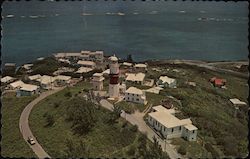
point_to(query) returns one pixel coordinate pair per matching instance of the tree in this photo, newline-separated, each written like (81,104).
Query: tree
(50,120)
(182,150)
(129,58)
(76,150)
(114,115)
(81,113)
(141,148)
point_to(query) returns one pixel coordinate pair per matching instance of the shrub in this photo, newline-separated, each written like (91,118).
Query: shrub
(210,148)
(68,94)
(56,104)
(182,150)
(131,150)
(133,128)
(50,120)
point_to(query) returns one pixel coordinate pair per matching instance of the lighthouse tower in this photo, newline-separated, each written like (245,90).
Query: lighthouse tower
(114,77)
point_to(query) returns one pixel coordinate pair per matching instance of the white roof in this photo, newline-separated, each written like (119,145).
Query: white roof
(141,65)
(190,127)
(236,101)
(106,71)
(97,74)
(6,79)
(160,108)
(63,60)
(135,76)
(17,84)
(166,117)
(134,90)
(27,66)
(34,77)
(113,58)
(61,77)
(127,64)
(87,63)
(166,79)
(84,70)
(61,55)
(45,79)
(29,87)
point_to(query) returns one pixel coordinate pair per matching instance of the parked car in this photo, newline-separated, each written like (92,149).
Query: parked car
(31,140)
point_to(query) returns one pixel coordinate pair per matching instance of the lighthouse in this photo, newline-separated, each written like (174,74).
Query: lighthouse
(114,77)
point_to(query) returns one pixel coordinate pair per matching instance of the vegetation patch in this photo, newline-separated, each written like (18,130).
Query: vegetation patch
(12,142)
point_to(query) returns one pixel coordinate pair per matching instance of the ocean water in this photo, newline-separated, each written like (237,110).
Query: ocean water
(148,30)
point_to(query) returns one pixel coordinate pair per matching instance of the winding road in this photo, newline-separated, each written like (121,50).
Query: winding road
(24,123)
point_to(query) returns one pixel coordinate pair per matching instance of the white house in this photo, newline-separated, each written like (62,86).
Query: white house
(140,67)
(16,85)
(62,80)
(27,90)
(164,121)
(7,79)
(97,81)
(127,64)
(135,77)
(96,56)
(46,82)
(136,95)
(89,64)
(165,81)
(84,70)
(34,77)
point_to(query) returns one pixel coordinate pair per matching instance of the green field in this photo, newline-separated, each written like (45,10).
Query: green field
(103,139)
(12,142)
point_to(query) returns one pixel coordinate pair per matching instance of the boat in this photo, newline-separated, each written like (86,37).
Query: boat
(33,16)
(9,16)
(135,13)
(211,18)
(153,12)
(86,14)
(22,16)
(182,11)
(108,13)
(56,15)
(202,11)
(119,13)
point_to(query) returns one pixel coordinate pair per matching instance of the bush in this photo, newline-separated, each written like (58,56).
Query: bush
(210,148)
(131,150)
(50,120)
(182,150)
(68,94)
(133,128)
(56,104)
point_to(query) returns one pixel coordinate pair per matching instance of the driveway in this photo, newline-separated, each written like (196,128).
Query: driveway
(24,124)
(137,119)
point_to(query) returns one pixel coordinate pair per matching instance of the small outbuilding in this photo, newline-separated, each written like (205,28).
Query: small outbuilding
(97,81)
(16,85)
(165,81)
(135,77)
(89,64)
(218,82)
(7,79)
(133,94)
(27,90)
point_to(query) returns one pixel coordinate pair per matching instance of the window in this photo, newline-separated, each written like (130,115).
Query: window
(180,128)
(193,131)
(137,99)
(172,129)
(137,95)
(164,129)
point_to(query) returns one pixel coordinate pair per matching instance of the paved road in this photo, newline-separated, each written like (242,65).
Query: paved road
(137,119)
(211,66)
(24,124)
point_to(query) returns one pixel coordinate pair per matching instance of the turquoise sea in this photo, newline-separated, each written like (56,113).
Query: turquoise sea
(147,30)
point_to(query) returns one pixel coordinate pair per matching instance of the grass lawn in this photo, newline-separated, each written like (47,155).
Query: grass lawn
(130,107)
(102,141)
(12,142)
(194,148)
